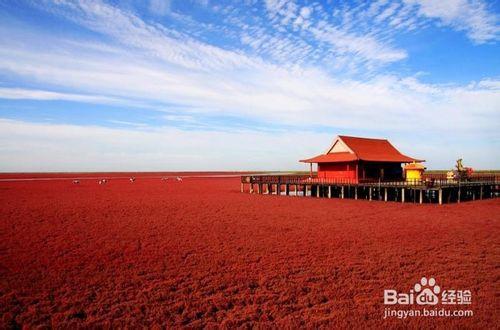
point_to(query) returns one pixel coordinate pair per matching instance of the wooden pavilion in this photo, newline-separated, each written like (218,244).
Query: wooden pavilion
(355,159)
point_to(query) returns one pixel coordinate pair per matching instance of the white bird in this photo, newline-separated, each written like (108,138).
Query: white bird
(76,181)
(132,179)
(178,178)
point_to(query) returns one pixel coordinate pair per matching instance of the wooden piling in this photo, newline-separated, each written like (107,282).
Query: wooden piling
(370,193)
(440,196)
(318,191)
(402,195)
(356,192)
(421,197)
(385,194)
(329,191)
(342,192)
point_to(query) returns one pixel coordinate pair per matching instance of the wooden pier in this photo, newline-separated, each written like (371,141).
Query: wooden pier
(427,190)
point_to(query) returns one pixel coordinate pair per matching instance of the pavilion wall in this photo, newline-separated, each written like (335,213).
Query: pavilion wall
(344,170)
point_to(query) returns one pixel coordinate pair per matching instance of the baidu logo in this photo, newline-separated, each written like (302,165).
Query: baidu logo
(424,296)
(427,292)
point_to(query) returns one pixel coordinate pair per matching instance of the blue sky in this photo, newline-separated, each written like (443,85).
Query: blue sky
(235,85)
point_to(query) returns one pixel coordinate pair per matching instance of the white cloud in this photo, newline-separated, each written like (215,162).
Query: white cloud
(89,148)
(470,16)
(284,10)
(271,94)
(34,94)
(362,49)
(154,40)
(159,7)
(387,12)
(240,85)
(305,12)
(375,7)
(366,47)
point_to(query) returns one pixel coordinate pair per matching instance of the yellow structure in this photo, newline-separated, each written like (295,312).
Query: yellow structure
(414,171)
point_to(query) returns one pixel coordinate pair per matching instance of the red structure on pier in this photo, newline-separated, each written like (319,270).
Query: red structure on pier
(354,159)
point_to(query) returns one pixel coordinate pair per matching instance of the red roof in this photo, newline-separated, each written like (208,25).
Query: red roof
(375,150)
(332,158)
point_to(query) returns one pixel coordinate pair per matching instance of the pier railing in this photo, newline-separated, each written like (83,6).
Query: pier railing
(427,181)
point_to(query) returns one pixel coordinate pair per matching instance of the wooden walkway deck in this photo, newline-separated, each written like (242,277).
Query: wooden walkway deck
(428,190)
